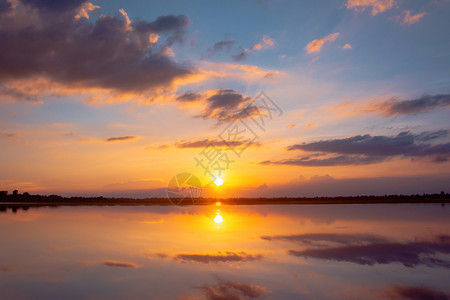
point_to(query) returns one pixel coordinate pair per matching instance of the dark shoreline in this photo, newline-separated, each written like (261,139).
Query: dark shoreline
(23,200)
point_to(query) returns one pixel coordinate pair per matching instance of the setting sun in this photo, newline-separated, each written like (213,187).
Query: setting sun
(218,181)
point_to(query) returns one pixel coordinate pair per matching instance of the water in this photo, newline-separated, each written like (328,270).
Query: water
(256,252)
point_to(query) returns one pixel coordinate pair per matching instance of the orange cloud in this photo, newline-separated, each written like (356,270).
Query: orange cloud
(266,42)
(314,60)
(347,46)
(256,47)
(84,10)
(407,19)
(377,6)
(316,45)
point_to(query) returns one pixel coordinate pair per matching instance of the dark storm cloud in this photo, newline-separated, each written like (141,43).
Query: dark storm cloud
(321,239)
(367,149)
(216,143)
(218,47)
(414,293)
(410,254)
(120,138)
(414,106)
(227,256)
(232,290)
(119,264)
(46,39)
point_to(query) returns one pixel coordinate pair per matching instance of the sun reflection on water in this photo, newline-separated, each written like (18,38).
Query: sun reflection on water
(218,219)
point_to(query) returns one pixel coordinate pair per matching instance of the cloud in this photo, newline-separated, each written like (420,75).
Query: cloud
(189,97)
(223,102)
(119,264)
(219,257)
(407,19)
(5,6)
(395,106)
(347,47)
(218,47)
(377,6)
(413,293)
(316,45)
(217,143)
(14,94)
(232,290)
(341,160)
(7,134)
(410,254)
(223,105)
(110,53)
(84,10)
(120,138)
(414,106)
(247,73)
(265,43)
(403,143)
(367,149)
(137,184)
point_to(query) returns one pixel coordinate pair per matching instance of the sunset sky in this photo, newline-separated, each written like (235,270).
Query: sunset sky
(115,98)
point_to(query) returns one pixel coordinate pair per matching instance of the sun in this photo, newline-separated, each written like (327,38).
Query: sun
(218,219)
(218,181)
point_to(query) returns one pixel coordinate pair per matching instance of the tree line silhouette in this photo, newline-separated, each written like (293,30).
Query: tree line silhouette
(17,201)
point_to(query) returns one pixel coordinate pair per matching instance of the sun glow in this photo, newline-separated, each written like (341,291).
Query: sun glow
(218,219)
(218,181)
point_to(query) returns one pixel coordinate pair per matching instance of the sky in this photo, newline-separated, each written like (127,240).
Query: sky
(274,97)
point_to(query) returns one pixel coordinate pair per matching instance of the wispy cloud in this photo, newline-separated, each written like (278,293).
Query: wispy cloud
(217,143)
(265,43)
(218,47)
(414,106)
(316,45)
(121,138)
(395,106)
(377,6)
(406,18)
(119,264)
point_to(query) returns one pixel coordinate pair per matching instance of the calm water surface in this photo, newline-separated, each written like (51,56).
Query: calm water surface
(256,252)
